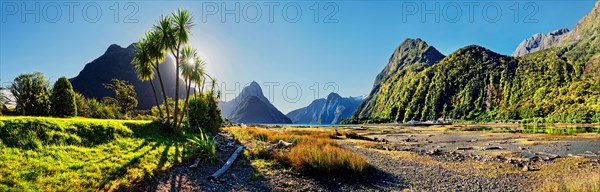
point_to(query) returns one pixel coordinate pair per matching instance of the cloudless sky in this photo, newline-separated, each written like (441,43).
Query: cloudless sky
(341,48)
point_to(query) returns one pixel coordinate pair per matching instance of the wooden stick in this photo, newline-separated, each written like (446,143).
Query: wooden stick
(196,163)
(227,164)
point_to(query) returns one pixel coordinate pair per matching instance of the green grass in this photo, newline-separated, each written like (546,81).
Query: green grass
(78,154)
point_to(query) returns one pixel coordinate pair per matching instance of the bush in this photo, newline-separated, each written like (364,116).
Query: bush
(204,145)
(91,108)
(63,99)
(204,112)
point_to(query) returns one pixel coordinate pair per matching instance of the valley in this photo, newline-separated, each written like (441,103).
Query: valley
(151,116)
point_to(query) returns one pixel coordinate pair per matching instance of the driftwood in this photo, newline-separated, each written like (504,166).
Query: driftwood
(284,144)
(196,163)
(227,164)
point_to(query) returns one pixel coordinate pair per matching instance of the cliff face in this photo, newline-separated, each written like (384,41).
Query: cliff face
(562,37)
(541,41)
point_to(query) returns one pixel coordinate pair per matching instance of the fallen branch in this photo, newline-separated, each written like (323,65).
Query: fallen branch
(227,164)
(196,163)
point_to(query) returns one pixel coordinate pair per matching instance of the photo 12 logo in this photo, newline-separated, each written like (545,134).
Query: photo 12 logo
(454,12)
(70,11)
(290,92)
(272,11)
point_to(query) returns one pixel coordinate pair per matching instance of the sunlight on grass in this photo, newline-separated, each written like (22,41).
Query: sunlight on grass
(106,165)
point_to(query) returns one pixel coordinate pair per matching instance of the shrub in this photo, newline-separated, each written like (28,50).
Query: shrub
(63,99)
(204,145)
(204,112)
(91,108)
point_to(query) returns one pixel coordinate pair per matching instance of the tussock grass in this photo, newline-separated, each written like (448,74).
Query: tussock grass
(77,154)
(327,159)
(314,152)
(588,182)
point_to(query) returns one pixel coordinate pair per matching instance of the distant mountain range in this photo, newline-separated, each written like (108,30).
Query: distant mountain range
(555,78)
(330,110)
(115,63)
(252,107)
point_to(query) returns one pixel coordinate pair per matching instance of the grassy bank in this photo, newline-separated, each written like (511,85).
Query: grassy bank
(313,152)
(41,154)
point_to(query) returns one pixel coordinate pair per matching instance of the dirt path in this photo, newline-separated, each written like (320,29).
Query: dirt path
(414,175)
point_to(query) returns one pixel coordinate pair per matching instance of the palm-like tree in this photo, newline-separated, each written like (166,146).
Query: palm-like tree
(192,71)
(182,25)
(170,35)
(156,53)
(175,31)
(144,69)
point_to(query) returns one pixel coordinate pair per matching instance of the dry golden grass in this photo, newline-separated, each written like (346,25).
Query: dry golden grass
(313,152)
(581,182)
(328,159)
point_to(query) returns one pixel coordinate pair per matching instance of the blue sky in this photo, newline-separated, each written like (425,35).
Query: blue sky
(341,47)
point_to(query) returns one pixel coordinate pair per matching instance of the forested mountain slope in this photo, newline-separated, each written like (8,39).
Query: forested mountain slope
(557,84)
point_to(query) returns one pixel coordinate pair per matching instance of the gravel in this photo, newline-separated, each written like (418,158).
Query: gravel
(424,177)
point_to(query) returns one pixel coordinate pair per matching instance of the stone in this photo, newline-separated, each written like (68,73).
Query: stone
(493,148)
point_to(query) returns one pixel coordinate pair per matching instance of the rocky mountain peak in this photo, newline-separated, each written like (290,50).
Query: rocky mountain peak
(113,48)
(541,41)
(558,32)
(332,96)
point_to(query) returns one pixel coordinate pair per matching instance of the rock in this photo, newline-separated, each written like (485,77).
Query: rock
(473,140)
(464,148)
(284,144)
(434,152)
(493,148)
(540,42)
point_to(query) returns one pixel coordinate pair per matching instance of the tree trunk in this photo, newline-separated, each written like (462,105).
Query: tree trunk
(156,99)
(164,93)
(185,105)
(176,111)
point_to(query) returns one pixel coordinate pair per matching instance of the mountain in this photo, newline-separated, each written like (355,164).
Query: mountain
(331,110)
(252,107)
(561,37)
(115,63)
(560,83)
(411,57)
(541,41)
(253,89)
(309,114)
